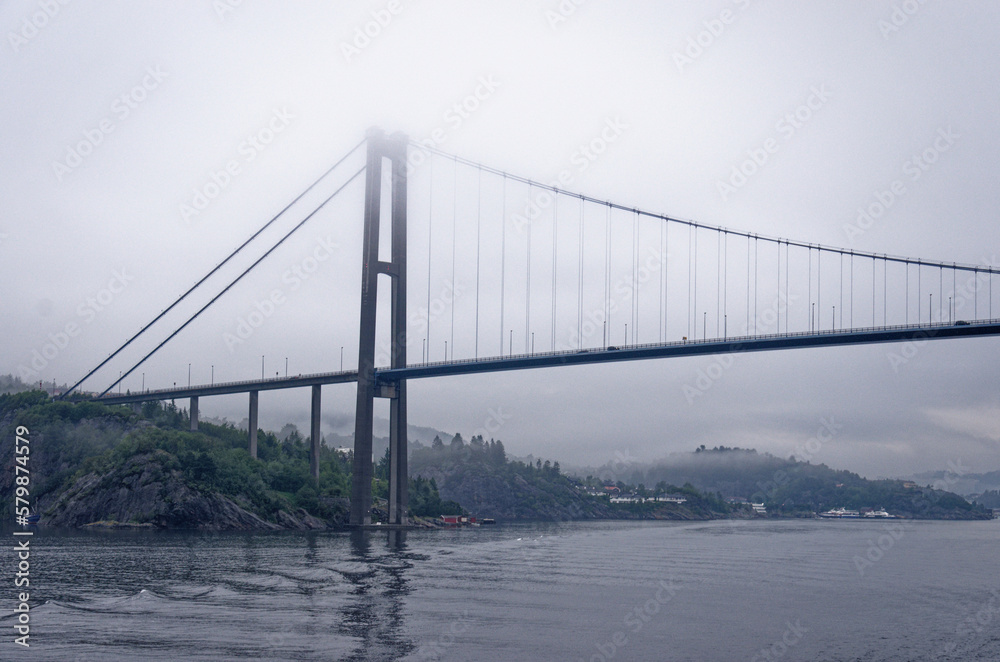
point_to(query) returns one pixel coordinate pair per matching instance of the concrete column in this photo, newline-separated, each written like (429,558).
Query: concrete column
(398,472)
(379,148)
(252,425)
(361,482)
(315,433)
(194,413)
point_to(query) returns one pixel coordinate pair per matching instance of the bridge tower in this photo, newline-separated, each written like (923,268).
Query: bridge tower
(381,149)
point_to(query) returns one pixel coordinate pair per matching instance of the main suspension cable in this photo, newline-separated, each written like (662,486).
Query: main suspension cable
(236,280)
(214,270)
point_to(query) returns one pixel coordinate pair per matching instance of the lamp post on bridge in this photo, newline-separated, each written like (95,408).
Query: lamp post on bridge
(262,367)
(213,374)
(286,367)
(143,383)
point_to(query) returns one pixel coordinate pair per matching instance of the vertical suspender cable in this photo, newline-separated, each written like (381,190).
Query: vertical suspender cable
(756,315)
(819,287)
(718,282)
(607,275)
(787,302)
(479,216)
(665,265)
(503,256)
(662,274)
(690,258)
(885,290)
(430,225)
(873,291)
(579,297)
(747,329)
(725,285)
(810,249)
(635,278)
(454,240)
(777,287)
(841,287)
(975,293)
(527,284)
(555,236)
(694,301)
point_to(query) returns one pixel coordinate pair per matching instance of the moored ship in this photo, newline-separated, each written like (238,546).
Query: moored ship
(841,513)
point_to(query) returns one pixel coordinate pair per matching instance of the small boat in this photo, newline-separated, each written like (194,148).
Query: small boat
(488,520)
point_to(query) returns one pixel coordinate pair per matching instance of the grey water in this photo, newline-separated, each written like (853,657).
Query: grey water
(595,591)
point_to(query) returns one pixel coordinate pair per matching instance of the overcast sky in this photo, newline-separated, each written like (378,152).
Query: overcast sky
(118,117)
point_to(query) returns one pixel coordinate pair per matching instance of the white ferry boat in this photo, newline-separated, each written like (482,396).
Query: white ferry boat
(879,514)
(841,513)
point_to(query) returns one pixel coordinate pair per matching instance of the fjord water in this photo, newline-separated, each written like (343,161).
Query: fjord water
(720,590)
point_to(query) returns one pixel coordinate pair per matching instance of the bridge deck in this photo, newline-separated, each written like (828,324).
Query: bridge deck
(830,338)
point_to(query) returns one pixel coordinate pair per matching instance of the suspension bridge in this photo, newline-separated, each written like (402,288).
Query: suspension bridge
(516,273)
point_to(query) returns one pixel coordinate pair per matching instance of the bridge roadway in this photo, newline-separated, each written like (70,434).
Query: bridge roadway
(829,338)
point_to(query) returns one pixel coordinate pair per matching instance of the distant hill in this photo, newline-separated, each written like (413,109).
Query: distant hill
(13,384)
(479,475)
(989,499)
(790,487)
(90,462)
(959,479)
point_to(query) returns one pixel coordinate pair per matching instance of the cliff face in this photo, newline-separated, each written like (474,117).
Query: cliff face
(143,490)
(91,464)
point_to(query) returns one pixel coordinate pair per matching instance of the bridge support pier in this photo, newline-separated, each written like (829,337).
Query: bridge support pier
(252,424)
(194,413)
(393,149)
(314,433)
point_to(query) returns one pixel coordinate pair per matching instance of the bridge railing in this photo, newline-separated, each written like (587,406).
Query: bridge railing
(730,340)
(734,340)
(244,382)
